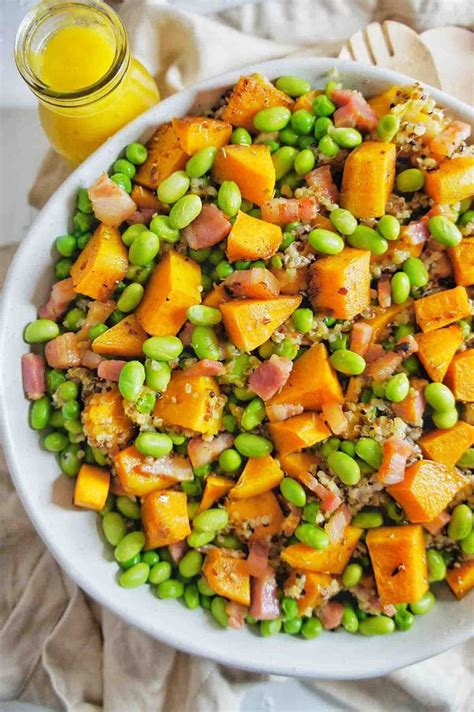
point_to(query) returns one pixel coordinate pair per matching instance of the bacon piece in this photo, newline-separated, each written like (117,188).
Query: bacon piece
(32,373)
(361,337)
(209,228)
(255,283)
(264,601)
(61,294)
(270,376)
(416,232)
(63,352)
(411,408)
(202,452)
(322,185)
(331,615)
(283,411)
(109,369)
(384,292)
(174,466)
(141,217)
(97,313)
(445,143)
(353,110)
(236,614)
(395,455)
(384,366)
(436,525)
(336,525)
(374,352)
(291,520)
(177,550)
(206,367)
(91,360)
(282,211)
(334,417)
(187,333)
(257,560)
(110,203)
(330,501)
(406,346)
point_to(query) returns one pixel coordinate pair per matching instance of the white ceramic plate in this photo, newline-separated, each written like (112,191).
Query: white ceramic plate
(72,536)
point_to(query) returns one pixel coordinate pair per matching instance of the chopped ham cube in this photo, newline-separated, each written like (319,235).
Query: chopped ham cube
(209,228)
(33,373)
(202,452)
(396,452)
(384,366)
(111,204)
(206,367)
(270,376)
(62,293)
(331,615)
(63,351)
(361,337)
(90,360)
(264,601)
(258,558)
(110,369)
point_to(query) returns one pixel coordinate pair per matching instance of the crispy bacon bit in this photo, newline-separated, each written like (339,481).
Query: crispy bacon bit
(206,367)
(384,292)
(141,217)
(283,411)
(270,376)
(336,525)
(63,351)
(322,185)
(257,560)
(202,452)
(255,283)
(334,417)
(436,525)
(395,455)
(110,369)
(62,293)
(331,615)
(406,346)
(449,140)
(385,366)
(329,500)
(110,203)
(91,360)
(411,408)
(33,372)
(354,111)
(236,614)
(209,228)
(361,337)
(174,466)
(177,550)
(264,601)
(282,211)
(291,520)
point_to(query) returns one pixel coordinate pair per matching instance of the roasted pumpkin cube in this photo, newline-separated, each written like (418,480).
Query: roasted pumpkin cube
(125,339)
(315,591)
(427,489)
(139,474)
(436,350)
(249,96)
(191,402)
(216,297)
(382,103)
(384,317)
(251,167)
(332,560)
(460,376)
(216,487)
(298,463)
(462,259)
(340,284)
(227,576)
(251,322)
(196,132)
(292,282)
(368,178)
(165,518)
(305,101)
(259,516)
(461,578)
(105,422)
(453,180)
(144,198)
(447,446)
(442,308)
(174,285)
(399,561)
(296,433)
(260,474)
(252,239)
(92,487)
(165,156)
(101,265)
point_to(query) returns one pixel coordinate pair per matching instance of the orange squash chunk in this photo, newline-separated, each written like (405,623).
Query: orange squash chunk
(382,103)
(251,167)
(249,96)
(259,516)
(196,132)
(191,402)
(447,446)
(312,382)
(106,425)
(305,101)
(442,308)
(462,260)
(298,463)
(340,284)
(144,198)
(216,297)
(165,156)
(460,376)
(332,560)
(227,576)
(399,561)
(252,239)
(173,287)
(296,433)
(216,487)
(461,579)
(260,474)
(315,587)
(368,178)
(427,489)
(453,180)
(292,282)
(124,339)
(140,475)
(437,348)
(165,518)
(101,265)
(92,487)
(251,322)
(384,317)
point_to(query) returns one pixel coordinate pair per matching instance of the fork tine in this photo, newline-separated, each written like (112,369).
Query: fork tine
(345,53)
(359,49)
(377,43)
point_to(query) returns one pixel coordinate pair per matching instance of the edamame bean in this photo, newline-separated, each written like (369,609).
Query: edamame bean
(197,538)
(129,546)
(56,419)
(293,492)
(184,211)
(241,136)
(132,232)
(154,444)
(69,460)
(304,162)
(66,245)
(348,447)
(131,380)
(397,388)
(160,572)
(344,467)
(350,622)
(400,287)
(288,137)
(228,541)
(191,596)
(204,588)
(368,518)
(461,522)
(163,348)
(271,627)
(170,589)
(329,446)
(40,413)
(114,527)
(444,231)
(144,248)
(467,543)
(328,146)
(283,160)
(130,562)
(191,564)
(311,511)
(352,574)
(157,374)
(387,127)
(311,628)
(370,451)
(205,343)
(253,414)
(40,331)
(302,121)
(55,442)
(135,576)
(71,410)
(346,137)
(389,227)
(230,460)
(229,198)
(347,362)
(211,520)
(325,241)
(251,445)
(130,297)
(293,626)
(223,269)
(312,535)
(376,625)
(172,188)
(129,507)
(436,566)
(416,271)
(323,106)
(439,397)
(466,461)
(161,226)
(199,164)
(466,218)
(303,320)
(343,221)
(293,86)
(74,319)
(365,238)
(272,119)
(424,605)
(219,611)
(403,620)
(201,315)
(445,419)
(321,126)
(150,557)
(410,180)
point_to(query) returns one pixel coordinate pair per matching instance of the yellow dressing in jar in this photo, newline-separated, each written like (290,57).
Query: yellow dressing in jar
(76,59)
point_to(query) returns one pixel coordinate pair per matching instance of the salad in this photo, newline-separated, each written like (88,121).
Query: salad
(257,361)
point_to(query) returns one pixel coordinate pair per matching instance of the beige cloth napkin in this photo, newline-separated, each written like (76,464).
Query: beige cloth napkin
(59,648)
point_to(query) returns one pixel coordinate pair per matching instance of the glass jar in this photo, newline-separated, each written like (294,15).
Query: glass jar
(74,56)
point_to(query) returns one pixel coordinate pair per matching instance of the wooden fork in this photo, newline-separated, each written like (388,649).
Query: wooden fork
(392,46)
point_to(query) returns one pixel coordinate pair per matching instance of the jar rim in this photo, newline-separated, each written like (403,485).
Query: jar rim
(31,23)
